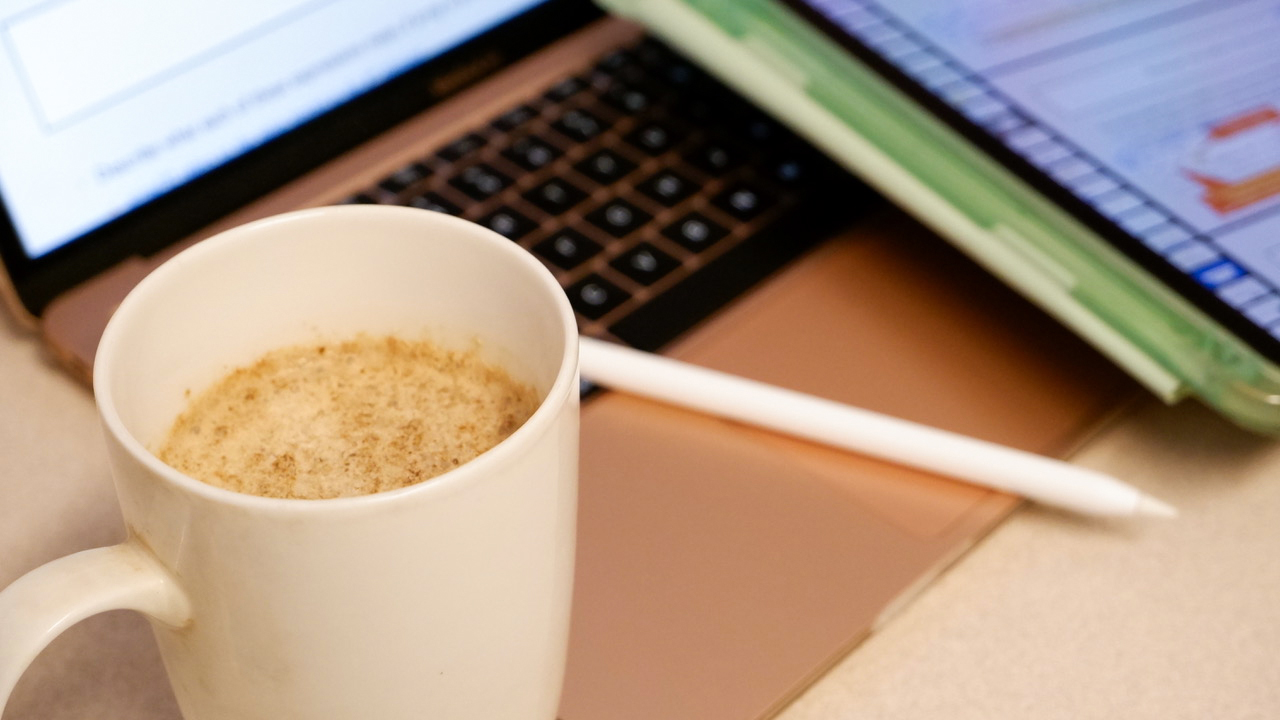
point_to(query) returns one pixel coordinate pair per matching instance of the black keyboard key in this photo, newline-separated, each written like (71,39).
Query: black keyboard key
(462,147)
(360,199)
(614,61)
(622,66)
(800,165)
(567,249)
(436,202)
(579,125)
(401,179)
(508,223)
(665,64)
(654,138)
(703,110)
(531,152)
(605,167)
(565,89)
(789,172)
(654,54)
(514,118)
(680,75)
(627,98)
(645,264)
(760,130)
(480,182)
(792,163)
(743,202)
(593,296)
(695,232)
(618,217)
(555,196)
(667,187)
(714,158)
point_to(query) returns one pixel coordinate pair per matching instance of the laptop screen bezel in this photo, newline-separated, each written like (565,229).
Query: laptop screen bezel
(177,214)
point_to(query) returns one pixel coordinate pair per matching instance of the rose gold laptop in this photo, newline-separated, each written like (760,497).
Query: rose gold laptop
(721,569)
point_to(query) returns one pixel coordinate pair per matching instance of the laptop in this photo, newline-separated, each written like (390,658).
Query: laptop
(721,568)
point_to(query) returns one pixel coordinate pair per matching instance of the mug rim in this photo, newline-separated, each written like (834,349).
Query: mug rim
(566,379)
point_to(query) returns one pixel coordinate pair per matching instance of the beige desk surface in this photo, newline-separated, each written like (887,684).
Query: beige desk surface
(1052,616)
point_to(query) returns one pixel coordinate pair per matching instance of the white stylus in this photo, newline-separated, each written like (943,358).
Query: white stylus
(1035,477)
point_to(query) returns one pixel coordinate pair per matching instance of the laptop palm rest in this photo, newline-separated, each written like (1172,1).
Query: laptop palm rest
(722,568)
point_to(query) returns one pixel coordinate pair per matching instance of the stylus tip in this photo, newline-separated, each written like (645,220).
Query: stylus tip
(1148,505)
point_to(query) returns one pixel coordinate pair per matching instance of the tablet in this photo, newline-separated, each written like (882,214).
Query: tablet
(1117,163)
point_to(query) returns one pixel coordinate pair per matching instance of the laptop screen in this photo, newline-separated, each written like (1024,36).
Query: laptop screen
(109,105)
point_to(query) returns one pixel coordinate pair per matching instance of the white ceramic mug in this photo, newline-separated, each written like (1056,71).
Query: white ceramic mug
(447,599)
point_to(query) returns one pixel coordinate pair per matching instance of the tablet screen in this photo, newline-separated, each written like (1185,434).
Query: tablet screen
(1161,116)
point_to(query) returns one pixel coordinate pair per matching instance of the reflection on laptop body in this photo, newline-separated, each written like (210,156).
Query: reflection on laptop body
(720,569)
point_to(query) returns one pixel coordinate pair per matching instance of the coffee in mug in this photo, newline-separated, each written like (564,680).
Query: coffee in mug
(337,419)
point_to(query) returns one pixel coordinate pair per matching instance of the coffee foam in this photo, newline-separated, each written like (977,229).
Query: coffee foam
(357,417)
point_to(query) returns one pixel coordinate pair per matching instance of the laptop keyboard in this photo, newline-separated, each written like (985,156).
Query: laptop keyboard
(652,192)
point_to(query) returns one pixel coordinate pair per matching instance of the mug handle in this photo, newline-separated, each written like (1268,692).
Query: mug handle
(38,606)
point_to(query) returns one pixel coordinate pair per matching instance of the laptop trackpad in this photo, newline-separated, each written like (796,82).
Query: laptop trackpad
(722,568)
(716,573)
